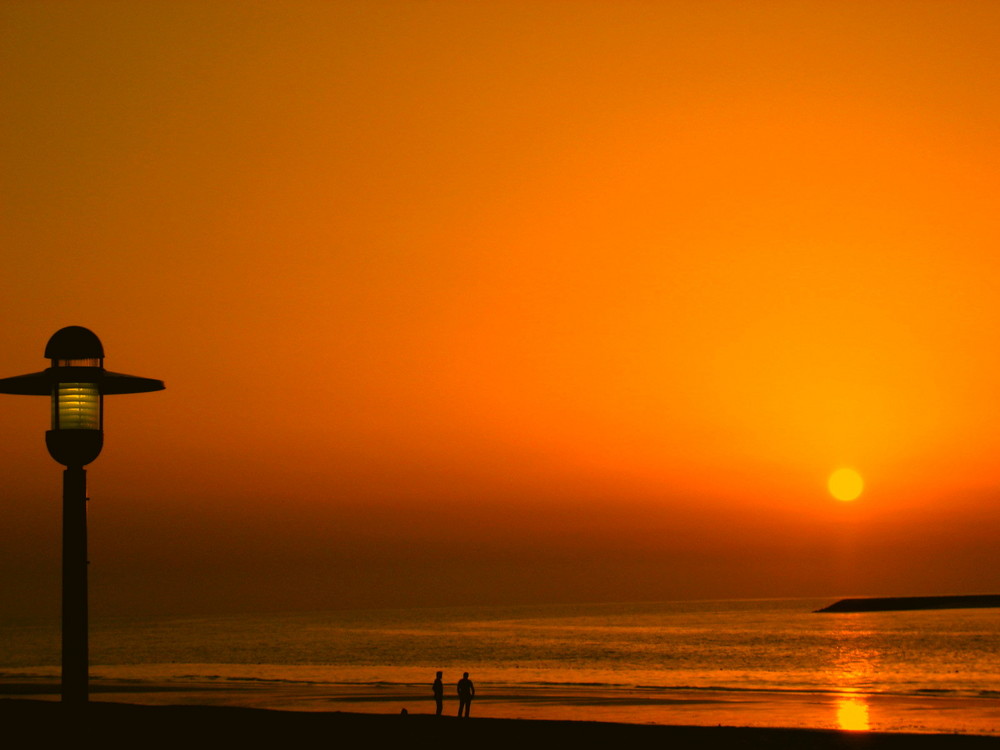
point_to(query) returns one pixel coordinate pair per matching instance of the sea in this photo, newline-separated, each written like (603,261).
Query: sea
(774,663)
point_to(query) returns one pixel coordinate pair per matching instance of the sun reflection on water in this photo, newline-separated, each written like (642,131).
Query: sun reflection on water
(853,672)
(852,713)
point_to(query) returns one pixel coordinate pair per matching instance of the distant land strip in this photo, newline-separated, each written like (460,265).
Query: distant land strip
(901,603)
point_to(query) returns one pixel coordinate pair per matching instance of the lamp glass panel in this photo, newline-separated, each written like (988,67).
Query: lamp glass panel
(77,406)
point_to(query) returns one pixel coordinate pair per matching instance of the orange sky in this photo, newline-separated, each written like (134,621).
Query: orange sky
(507,301)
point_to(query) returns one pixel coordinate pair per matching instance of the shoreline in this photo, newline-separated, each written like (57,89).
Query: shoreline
(126,725)
(846,711)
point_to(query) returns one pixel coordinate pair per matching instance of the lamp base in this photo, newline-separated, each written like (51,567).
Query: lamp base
(74,447)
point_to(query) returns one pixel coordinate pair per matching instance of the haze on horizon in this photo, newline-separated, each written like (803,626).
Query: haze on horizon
(506,302)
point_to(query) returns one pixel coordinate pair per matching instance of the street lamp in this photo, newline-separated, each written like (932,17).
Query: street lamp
(77,383)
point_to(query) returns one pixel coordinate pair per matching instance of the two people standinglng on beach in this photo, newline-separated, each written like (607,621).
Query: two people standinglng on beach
(466,692)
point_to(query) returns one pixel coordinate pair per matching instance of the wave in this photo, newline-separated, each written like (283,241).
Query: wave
(498,685)
(556,688)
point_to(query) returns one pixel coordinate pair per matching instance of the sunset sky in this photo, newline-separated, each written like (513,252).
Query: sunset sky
(506,302)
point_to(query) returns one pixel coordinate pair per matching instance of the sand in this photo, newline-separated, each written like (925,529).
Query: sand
(114,725)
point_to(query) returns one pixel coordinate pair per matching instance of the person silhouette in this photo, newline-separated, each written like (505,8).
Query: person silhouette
(466,692)
(438,689)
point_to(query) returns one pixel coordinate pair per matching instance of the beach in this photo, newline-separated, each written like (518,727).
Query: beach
(547,707)
(127,725)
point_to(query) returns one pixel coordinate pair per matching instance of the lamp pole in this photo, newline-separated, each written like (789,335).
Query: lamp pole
(77,383)
(75,615)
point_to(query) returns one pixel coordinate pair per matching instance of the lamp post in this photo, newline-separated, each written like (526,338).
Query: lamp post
(77,383)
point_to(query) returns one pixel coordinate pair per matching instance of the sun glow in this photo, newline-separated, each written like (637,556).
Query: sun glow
(845,484)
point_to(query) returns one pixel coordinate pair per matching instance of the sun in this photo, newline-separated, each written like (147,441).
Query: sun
(845,484)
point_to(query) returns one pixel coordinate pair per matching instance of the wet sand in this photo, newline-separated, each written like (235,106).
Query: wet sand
(115,725)
(882,714)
